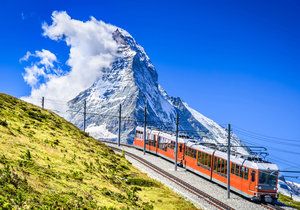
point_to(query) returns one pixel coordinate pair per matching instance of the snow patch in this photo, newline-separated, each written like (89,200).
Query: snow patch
(100,132)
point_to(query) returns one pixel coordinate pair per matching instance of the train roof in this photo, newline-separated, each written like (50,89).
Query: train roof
(247,161)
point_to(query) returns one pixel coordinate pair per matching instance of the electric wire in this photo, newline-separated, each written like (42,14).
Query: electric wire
(265,136)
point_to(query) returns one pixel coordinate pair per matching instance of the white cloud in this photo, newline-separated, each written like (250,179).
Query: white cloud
(47,58)
(32,74)
(40,69)
(92,48)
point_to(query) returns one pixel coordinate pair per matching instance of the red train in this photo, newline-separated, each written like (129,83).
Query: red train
(251,177)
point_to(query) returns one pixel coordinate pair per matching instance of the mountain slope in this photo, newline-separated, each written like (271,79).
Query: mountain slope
(47,162)
(132,81)
(288,188)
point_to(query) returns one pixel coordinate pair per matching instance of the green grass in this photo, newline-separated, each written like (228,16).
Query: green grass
(288,201)
(48,163)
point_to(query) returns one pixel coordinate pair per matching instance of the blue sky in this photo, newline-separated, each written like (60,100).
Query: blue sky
(234,61)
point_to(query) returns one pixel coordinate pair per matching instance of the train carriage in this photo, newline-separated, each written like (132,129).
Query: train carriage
(250,176)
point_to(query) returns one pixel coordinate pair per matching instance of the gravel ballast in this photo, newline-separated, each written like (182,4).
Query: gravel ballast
(218,192)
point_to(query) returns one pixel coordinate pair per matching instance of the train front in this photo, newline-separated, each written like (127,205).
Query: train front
(267,182)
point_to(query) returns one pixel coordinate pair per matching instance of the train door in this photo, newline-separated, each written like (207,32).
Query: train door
(183,155)
(180,153)
(252,184)
(156,143)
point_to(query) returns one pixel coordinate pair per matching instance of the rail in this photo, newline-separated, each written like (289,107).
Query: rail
(209,199)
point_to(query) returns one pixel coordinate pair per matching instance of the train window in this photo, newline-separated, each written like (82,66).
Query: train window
(191,152)
(222,166)
(171,145)
(162,146)
(154,140)
(267,177)
(165,147)
(237,170)
(139,134)
(154,143)
(219,165)
(180,147)
(199,158)
(246,173)
(208,160)
(188,151)
(241,172)
(215,164)
(232,168)
(204,159)
(253,176)
(225,167)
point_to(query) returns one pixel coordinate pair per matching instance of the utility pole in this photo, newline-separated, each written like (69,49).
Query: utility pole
(119,136)
(228,161)
(176,143)
(43,102)
(145,125)
(84,115)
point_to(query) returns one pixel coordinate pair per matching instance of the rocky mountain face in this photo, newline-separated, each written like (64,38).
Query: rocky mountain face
(132,81)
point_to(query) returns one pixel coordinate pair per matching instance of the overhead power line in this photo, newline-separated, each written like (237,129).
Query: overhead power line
(265,136)
(268,140)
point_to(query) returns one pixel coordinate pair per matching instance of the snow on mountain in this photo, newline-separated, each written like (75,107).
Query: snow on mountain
(100,131)
(132,81)
(288,188)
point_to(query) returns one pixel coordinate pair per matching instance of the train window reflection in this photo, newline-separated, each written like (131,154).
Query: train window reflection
(267,178)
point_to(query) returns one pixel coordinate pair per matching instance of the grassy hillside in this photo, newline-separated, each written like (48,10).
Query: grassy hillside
(289,201)
(46,162)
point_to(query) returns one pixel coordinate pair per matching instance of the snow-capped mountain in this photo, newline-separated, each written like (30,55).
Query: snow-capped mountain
(132,81)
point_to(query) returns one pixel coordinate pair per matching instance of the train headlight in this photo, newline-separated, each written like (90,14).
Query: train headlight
(275,188)
(259,187)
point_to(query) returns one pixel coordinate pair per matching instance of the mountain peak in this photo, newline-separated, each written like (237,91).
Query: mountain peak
(119,37)
(132,81)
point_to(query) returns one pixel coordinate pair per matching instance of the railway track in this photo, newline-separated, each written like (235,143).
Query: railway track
(209,199)
(271,207)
